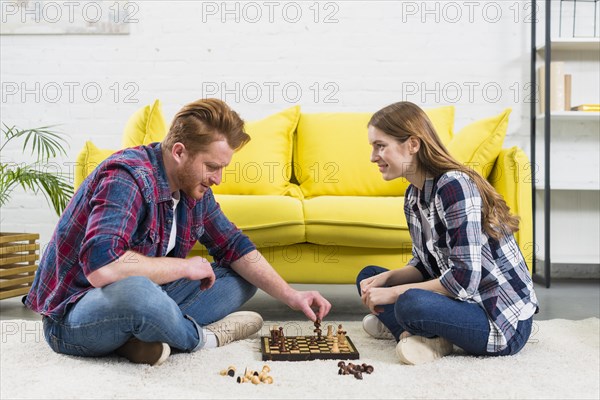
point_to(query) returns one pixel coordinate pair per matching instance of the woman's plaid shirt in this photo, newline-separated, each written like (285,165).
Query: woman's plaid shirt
(449,243)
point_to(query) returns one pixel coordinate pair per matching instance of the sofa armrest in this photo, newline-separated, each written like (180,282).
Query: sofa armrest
(511,177)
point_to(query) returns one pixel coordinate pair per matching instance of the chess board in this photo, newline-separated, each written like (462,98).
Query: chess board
(307,351)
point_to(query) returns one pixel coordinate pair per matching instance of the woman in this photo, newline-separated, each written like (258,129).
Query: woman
(467,283)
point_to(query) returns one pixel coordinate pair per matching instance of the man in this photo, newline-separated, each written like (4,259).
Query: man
(115,277)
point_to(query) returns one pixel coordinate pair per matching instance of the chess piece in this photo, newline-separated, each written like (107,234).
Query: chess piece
(282,346)
(355,370)
(329,331)
(295,345)
(341,334)
(351,368)
(343,368)
(317,329)
(264,374)
(274,336)
(318,332)
(230,371)
(334,347)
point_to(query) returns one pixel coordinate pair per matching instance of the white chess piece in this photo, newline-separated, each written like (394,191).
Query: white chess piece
(335,348)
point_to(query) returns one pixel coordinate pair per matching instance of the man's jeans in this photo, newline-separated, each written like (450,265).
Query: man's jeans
(429,314)
(104,319)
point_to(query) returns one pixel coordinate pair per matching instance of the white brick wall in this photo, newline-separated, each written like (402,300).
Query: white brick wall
(371,54)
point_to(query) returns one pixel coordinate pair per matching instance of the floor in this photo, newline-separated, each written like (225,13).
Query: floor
(566,299)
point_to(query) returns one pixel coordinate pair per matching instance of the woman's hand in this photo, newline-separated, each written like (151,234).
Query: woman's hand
(375,297)
(374,281)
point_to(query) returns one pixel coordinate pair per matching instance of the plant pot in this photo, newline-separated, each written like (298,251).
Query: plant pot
(19,253)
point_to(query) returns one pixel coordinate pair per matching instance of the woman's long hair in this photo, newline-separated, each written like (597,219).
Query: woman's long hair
(404,120)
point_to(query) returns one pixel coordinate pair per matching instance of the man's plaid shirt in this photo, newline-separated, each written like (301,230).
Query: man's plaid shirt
(125,204)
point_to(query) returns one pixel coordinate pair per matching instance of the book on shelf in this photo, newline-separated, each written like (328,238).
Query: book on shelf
(568,92)
(587,107)
(560,84)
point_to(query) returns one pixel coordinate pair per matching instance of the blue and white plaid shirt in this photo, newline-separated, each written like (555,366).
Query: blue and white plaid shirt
(449,243)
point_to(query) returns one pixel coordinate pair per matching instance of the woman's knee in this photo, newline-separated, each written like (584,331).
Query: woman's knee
(367,272)
(410,304)
(519,339)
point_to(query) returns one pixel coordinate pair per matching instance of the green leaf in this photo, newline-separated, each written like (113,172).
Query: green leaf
(45,143)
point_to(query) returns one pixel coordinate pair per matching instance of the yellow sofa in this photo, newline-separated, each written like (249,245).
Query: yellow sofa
(306,193)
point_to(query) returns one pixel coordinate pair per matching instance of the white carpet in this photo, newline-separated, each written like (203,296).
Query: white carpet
(561,361)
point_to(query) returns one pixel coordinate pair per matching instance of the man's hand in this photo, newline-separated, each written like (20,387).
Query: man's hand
(375,297)
(307,301)
(199,269)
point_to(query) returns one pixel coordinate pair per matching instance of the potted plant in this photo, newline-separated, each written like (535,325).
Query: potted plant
(19,251)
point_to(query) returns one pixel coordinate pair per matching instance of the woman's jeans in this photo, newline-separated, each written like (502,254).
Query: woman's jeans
(105,318)
(429,314)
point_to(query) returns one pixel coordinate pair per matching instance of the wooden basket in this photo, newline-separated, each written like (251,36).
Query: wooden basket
(19,253)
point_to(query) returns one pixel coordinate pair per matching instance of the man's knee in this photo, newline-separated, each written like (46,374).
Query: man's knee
(251,290)
(133,292)
(134,283)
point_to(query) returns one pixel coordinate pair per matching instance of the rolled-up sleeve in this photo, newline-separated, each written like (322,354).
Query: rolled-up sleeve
(459,203)
(416,262)
(115,212)
(224,241)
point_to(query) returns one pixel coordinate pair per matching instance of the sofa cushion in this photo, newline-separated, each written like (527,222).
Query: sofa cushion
(479,143)
(377,222)
(512,166)
(264,165)
(332,154)
(145,126)
(267,220)
(442,119)
(87,160)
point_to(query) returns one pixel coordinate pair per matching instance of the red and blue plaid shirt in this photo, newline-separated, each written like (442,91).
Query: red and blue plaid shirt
(125,204)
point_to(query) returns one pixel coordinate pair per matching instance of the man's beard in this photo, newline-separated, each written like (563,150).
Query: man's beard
(188,183)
